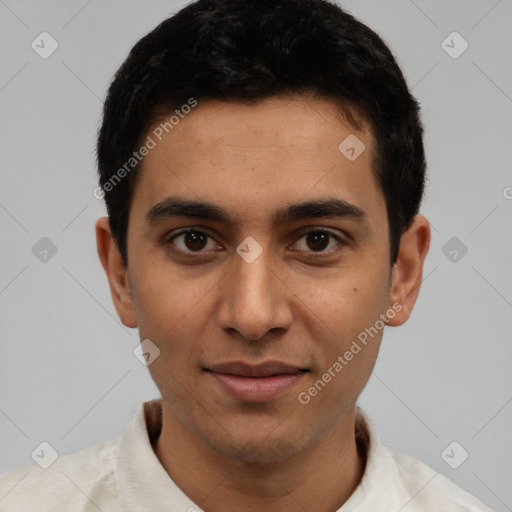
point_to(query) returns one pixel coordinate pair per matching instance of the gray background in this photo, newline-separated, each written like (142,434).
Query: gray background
(67,372)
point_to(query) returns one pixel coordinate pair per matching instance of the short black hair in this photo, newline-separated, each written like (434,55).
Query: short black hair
(247,51)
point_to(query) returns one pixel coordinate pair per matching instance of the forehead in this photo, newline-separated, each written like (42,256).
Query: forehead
(252,158)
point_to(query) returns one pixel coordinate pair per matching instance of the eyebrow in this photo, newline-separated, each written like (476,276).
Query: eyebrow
(179,207)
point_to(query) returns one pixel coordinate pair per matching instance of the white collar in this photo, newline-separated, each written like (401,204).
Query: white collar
(145,485)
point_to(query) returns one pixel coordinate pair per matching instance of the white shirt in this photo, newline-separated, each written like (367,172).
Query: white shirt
(124,475)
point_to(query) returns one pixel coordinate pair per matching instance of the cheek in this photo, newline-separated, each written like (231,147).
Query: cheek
(169,307)
(341,319)
(340,308)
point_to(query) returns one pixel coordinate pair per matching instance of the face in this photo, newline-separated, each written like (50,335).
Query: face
(250,309)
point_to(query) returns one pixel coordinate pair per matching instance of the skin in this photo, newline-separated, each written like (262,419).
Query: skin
(290,304)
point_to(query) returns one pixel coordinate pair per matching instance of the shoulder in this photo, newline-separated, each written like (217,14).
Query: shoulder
(397,481)
(83,480)
(430,490)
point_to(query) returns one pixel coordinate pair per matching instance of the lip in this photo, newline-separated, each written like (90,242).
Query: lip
(255,383)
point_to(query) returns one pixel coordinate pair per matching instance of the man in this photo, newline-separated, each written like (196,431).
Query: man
(263,168)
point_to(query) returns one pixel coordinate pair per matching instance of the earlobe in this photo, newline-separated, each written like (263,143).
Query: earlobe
(407,273)
(117,273)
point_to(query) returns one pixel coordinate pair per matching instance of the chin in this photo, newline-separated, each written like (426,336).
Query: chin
(257,452)
(260,447)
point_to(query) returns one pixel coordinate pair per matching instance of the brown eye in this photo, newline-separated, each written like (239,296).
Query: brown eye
(192,240)
(317,240)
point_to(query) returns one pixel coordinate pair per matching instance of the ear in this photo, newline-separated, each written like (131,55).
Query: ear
(407,272)
(116,271)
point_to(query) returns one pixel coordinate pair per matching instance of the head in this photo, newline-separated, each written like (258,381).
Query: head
(285,134)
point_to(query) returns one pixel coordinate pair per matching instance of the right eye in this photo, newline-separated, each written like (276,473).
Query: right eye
(193,241)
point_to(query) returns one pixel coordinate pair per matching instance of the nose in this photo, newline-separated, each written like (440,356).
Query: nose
(255,298)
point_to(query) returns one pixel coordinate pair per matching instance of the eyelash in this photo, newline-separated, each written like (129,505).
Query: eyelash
(192,254)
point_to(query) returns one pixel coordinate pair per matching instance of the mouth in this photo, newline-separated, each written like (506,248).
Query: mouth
(256,383)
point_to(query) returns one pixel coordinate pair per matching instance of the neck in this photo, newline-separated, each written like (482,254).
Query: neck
(322,477)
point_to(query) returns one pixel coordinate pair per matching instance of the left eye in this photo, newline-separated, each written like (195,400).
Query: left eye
(194,240)
(318,239)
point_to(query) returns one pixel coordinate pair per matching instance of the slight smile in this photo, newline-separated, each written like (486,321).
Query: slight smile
(255,383)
